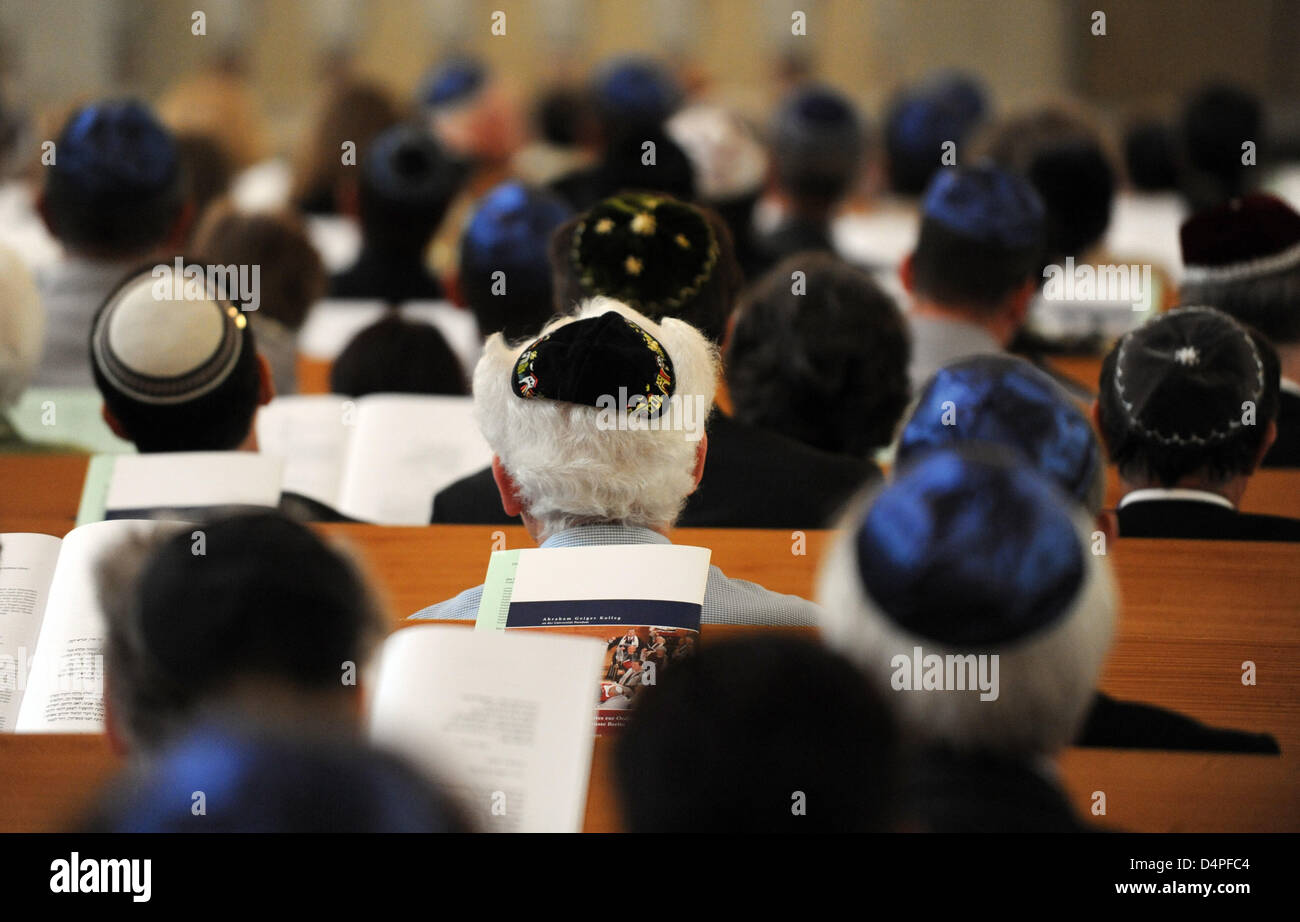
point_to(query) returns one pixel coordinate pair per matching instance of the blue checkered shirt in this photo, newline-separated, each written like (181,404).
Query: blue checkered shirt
(726,600)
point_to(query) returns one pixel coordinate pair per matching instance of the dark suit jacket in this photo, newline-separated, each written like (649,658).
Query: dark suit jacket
(1131,725)
(1177,518)
(752,479)
(1286,450)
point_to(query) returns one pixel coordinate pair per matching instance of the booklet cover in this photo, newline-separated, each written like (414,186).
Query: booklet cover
(642,601)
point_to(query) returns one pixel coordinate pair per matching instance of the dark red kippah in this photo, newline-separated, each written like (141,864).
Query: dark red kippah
(593,358)
(1255,234)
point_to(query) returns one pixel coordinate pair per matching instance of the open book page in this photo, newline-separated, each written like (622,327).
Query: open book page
(26,567)
(310,433)
(65,684)
(180,484)
(404,449)
(503,719)
(642,602)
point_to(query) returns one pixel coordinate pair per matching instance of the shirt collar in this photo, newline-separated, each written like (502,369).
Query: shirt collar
(1175,493)
(585,535)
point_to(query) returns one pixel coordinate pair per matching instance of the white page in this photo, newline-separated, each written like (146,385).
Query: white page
(404,449)
(65,686)
(310,433)
(193,479)
(665,572)
(26,567)
(331,324)
(504,718)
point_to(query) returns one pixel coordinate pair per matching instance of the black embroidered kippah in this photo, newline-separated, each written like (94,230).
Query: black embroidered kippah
(647,250)
(588,361)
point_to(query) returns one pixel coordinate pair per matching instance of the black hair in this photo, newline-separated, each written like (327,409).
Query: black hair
(216,421)
(566,116)
(817,144)
(266,600)
(119,218)
(395,355)
(1151,156)
(827,366)
(390,220)
(1172,396)
(1218,118)
(955,268)
(672,172)
(768,734)
(261,780)
(707,311)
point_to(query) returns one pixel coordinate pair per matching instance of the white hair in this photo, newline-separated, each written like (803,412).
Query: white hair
(1047,681)
(568,468)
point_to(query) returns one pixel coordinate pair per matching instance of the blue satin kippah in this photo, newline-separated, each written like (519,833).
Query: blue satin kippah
(637,89)
(453,83)
(1005,401)
(986,203)
(512,227)
(405,164)
(112,144)
(944,109)
(970,548)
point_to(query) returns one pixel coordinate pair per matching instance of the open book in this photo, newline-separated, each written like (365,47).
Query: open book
(503,720)
(177,485)
(641,601)
(379,458)
(52,629)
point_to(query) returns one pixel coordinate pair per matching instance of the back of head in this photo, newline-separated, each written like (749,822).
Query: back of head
(599,419)
(662,168)
(115,187)
(817,139)
(921,120)
(1215,122)
(407,183)
(291,276)
(267,611)
(205,168)
(510,233)
(397,356)
(749,731)
(351,112)
(652,252)
(1151,156)
(965,591)
(981,238)
(826,365)
(1063,156)
(1189,394)
(1243,257)
(633,95)
(255,780)
(1006,401)
(177,367)
(22,324)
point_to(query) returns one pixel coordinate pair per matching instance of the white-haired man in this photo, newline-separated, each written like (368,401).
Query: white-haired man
(966,593)
(598,433)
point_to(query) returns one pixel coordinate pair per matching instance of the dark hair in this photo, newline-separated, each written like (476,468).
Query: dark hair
(954,268)
(205,167)
(1063,157)
(397,356)
(402,214)
(671,173)
(1176,413)
(216,421)
(746,730)
(1151,156)
(827,367)
(566,116)
(354,111)
(1215,122)
(267,600)
(707,311)
(1269,303)
(817,140)
(260,780)
(291,275)
(107,212)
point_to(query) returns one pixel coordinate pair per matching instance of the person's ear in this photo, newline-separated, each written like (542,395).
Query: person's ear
(507,488)
(451,288)
(1108,525)
(43,209)
(265,381)
(112,422)
(906,274)
(181,226)
(1018,303)
(347,198)
(1270,436)
(701,451)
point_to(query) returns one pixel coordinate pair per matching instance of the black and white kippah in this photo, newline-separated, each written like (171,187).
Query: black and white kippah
(589,361)
(162,349)
(1181,379)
